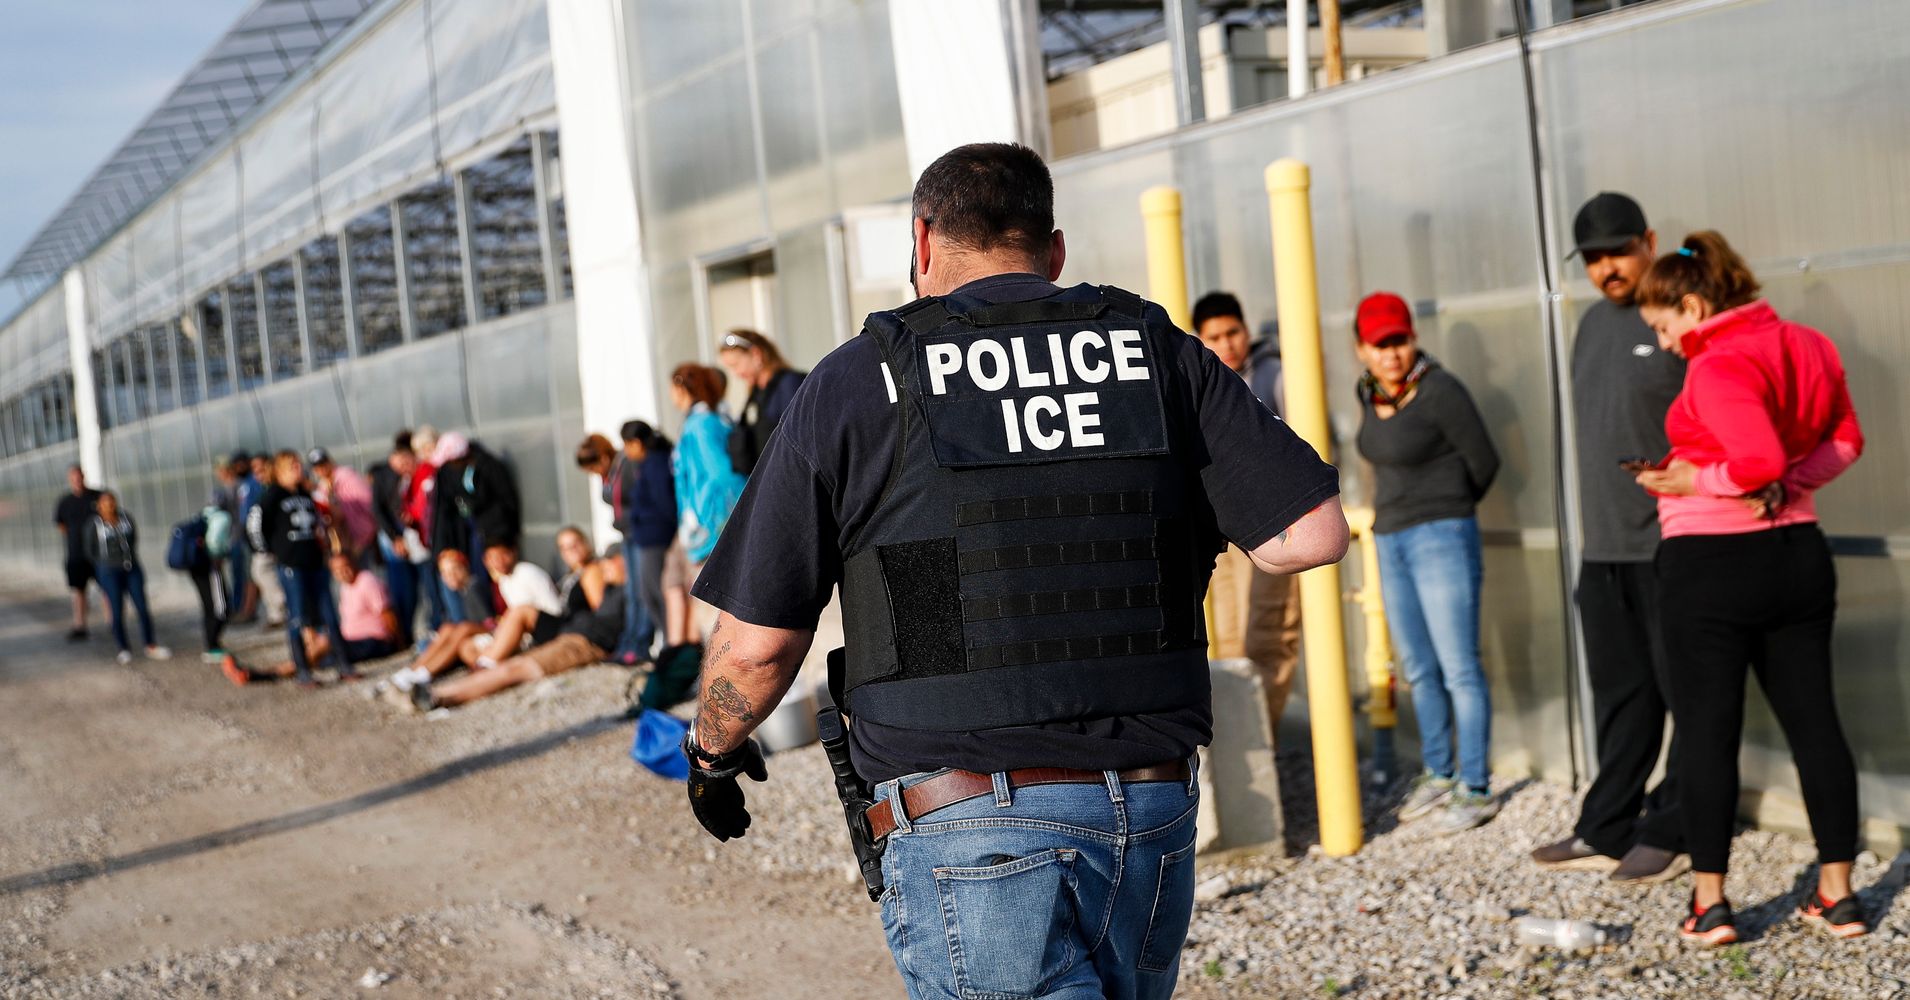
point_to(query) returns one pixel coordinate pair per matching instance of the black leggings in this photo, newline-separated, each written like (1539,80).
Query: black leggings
(1765,601)
(210,582)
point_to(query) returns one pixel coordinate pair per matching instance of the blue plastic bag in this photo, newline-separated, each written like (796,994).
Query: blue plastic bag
(659,744)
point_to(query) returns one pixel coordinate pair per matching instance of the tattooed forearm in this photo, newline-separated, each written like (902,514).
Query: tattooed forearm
(745,673)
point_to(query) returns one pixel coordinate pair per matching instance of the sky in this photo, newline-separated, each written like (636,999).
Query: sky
(76,76)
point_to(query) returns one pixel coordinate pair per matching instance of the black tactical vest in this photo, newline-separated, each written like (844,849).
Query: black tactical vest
(1037,555)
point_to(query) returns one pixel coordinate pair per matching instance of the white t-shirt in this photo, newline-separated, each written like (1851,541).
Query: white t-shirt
(528,584)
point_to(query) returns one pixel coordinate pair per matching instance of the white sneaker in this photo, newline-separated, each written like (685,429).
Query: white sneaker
(1429,792)
(158,653)
(124,657)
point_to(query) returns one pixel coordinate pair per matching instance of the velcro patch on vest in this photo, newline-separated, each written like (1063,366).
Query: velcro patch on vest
(1001,397)
(926,605)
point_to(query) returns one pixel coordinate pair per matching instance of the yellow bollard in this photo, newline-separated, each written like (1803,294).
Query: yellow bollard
(1166,254)
(1329,700)
(1167,285)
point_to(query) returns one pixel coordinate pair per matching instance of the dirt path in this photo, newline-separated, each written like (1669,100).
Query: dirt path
(164,833)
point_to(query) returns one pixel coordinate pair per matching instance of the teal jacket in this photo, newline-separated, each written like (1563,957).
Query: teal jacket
(707,488)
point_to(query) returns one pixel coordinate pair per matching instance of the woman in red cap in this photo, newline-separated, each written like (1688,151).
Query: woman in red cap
(1432,461)
(1745,577)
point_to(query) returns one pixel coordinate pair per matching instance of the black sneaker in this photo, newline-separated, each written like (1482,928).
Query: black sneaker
(1646,865)
(1710,927)
(1844,918)
(421,700)
(1572,854)
(76,635)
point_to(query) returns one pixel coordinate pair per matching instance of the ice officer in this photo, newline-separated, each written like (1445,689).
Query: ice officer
(1020,489)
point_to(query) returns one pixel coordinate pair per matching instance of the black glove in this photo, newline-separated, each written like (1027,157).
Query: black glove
(715,795)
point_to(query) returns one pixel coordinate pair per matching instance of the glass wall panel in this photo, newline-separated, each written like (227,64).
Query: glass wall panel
(506,246)
(212,342)
(559,228)
(677,36)
(374,281)
(281,320)
(130,380)
(102,389)
(324,302)
(434,262)
(159,344)
(185,350)
(799,186)
(242,312)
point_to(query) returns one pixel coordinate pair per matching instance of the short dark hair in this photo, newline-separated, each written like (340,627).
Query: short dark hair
(401,441)
(989,194)
(636,430)
(1215,304)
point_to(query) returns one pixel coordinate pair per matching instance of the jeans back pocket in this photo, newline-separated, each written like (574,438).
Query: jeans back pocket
(1011,927)
(1173,911)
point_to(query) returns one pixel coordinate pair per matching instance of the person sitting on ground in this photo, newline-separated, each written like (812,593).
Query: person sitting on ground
(366,621)
(475,614)
(529,598)
(111,545)
(585,639)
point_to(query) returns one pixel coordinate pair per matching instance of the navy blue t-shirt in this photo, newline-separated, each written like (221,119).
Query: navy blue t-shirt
(779,559)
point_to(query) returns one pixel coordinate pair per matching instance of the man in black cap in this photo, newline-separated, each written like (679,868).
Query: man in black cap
(1622,384)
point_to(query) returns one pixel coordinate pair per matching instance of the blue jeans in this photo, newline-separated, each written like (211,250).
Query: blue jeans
(308,601)
(433,588)
(1430,575)
(639,632)
(401,582)
(1064,891)
(119,583)
(239,558)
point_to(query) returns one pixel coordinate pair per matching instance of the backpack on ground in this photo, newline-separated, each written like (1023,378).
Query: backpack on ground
(218,532)
(186,549)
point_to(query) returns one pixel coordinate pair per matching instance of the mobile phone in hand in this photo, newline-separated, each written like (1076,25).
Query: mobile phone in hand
(1637,465)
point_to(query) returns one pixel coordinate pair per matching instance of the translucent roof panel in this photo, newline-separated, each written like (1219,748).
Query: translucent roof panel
(268,44)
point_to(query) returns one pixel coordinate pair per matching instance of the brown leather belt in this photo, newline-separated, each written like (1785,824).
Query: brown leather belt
(950,787)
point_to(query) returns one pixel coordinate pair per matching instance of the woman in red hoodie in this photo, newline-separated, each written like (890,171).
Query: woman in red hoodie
(1745,576)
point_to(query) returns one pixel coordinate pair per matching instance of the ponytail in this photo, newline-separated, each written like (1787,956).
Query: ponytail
(1705,266)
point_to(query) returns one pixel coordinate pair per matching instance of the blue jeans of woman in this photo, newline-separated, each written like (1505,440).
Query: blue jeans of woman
(401,583)
(639,629)
(1070,891)
(119,583)
(308,602)
(1430,575)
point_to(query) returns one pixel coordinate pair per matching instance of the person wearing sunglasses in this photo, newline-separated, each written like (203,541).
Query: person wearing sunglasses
(753,360)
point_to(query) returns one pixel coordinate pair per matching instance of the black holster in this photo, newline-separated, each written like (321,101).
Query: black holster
(855,794)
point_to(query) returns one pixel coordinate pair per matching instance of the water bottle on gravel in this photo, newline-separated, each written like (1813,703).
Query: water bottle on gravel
(1565,935)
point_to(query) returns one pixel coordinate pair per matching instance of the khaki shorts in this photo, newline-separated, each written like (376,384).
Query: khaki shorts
(677,572)
(565,653)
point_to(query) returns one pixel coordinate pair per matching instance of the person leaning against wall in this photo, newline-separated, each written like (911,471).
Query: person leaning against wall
(1256,613)
(754,360)
(1744,574)
(1622,384)
(1432,462)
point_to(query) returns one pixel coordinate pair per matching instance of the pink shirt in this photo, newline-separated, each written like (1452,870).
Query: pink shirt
(361,609)
(351,504)
(1764,401)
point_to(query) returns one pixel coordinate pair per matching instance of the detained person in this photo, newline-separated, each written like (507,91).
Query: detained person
(1432,462)
(1622,384)
(1020,489)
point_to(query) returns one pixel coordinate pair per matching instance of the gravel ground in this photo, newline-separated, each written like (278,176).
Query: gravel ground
(1417,914)
(591,878)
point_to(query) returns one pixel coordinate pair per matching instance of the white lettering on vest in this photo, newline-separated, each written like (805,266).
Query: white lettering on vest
(1012,424)
(1082,421)
(1025,377)
(943,360)
(1057,359)
(1044,439)
(982,350)
(1077,351)
(888,381)
(1127,351)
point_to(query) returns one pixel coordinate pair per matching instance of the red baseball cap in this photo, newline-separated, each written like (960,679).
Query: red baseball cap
(1382,315)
